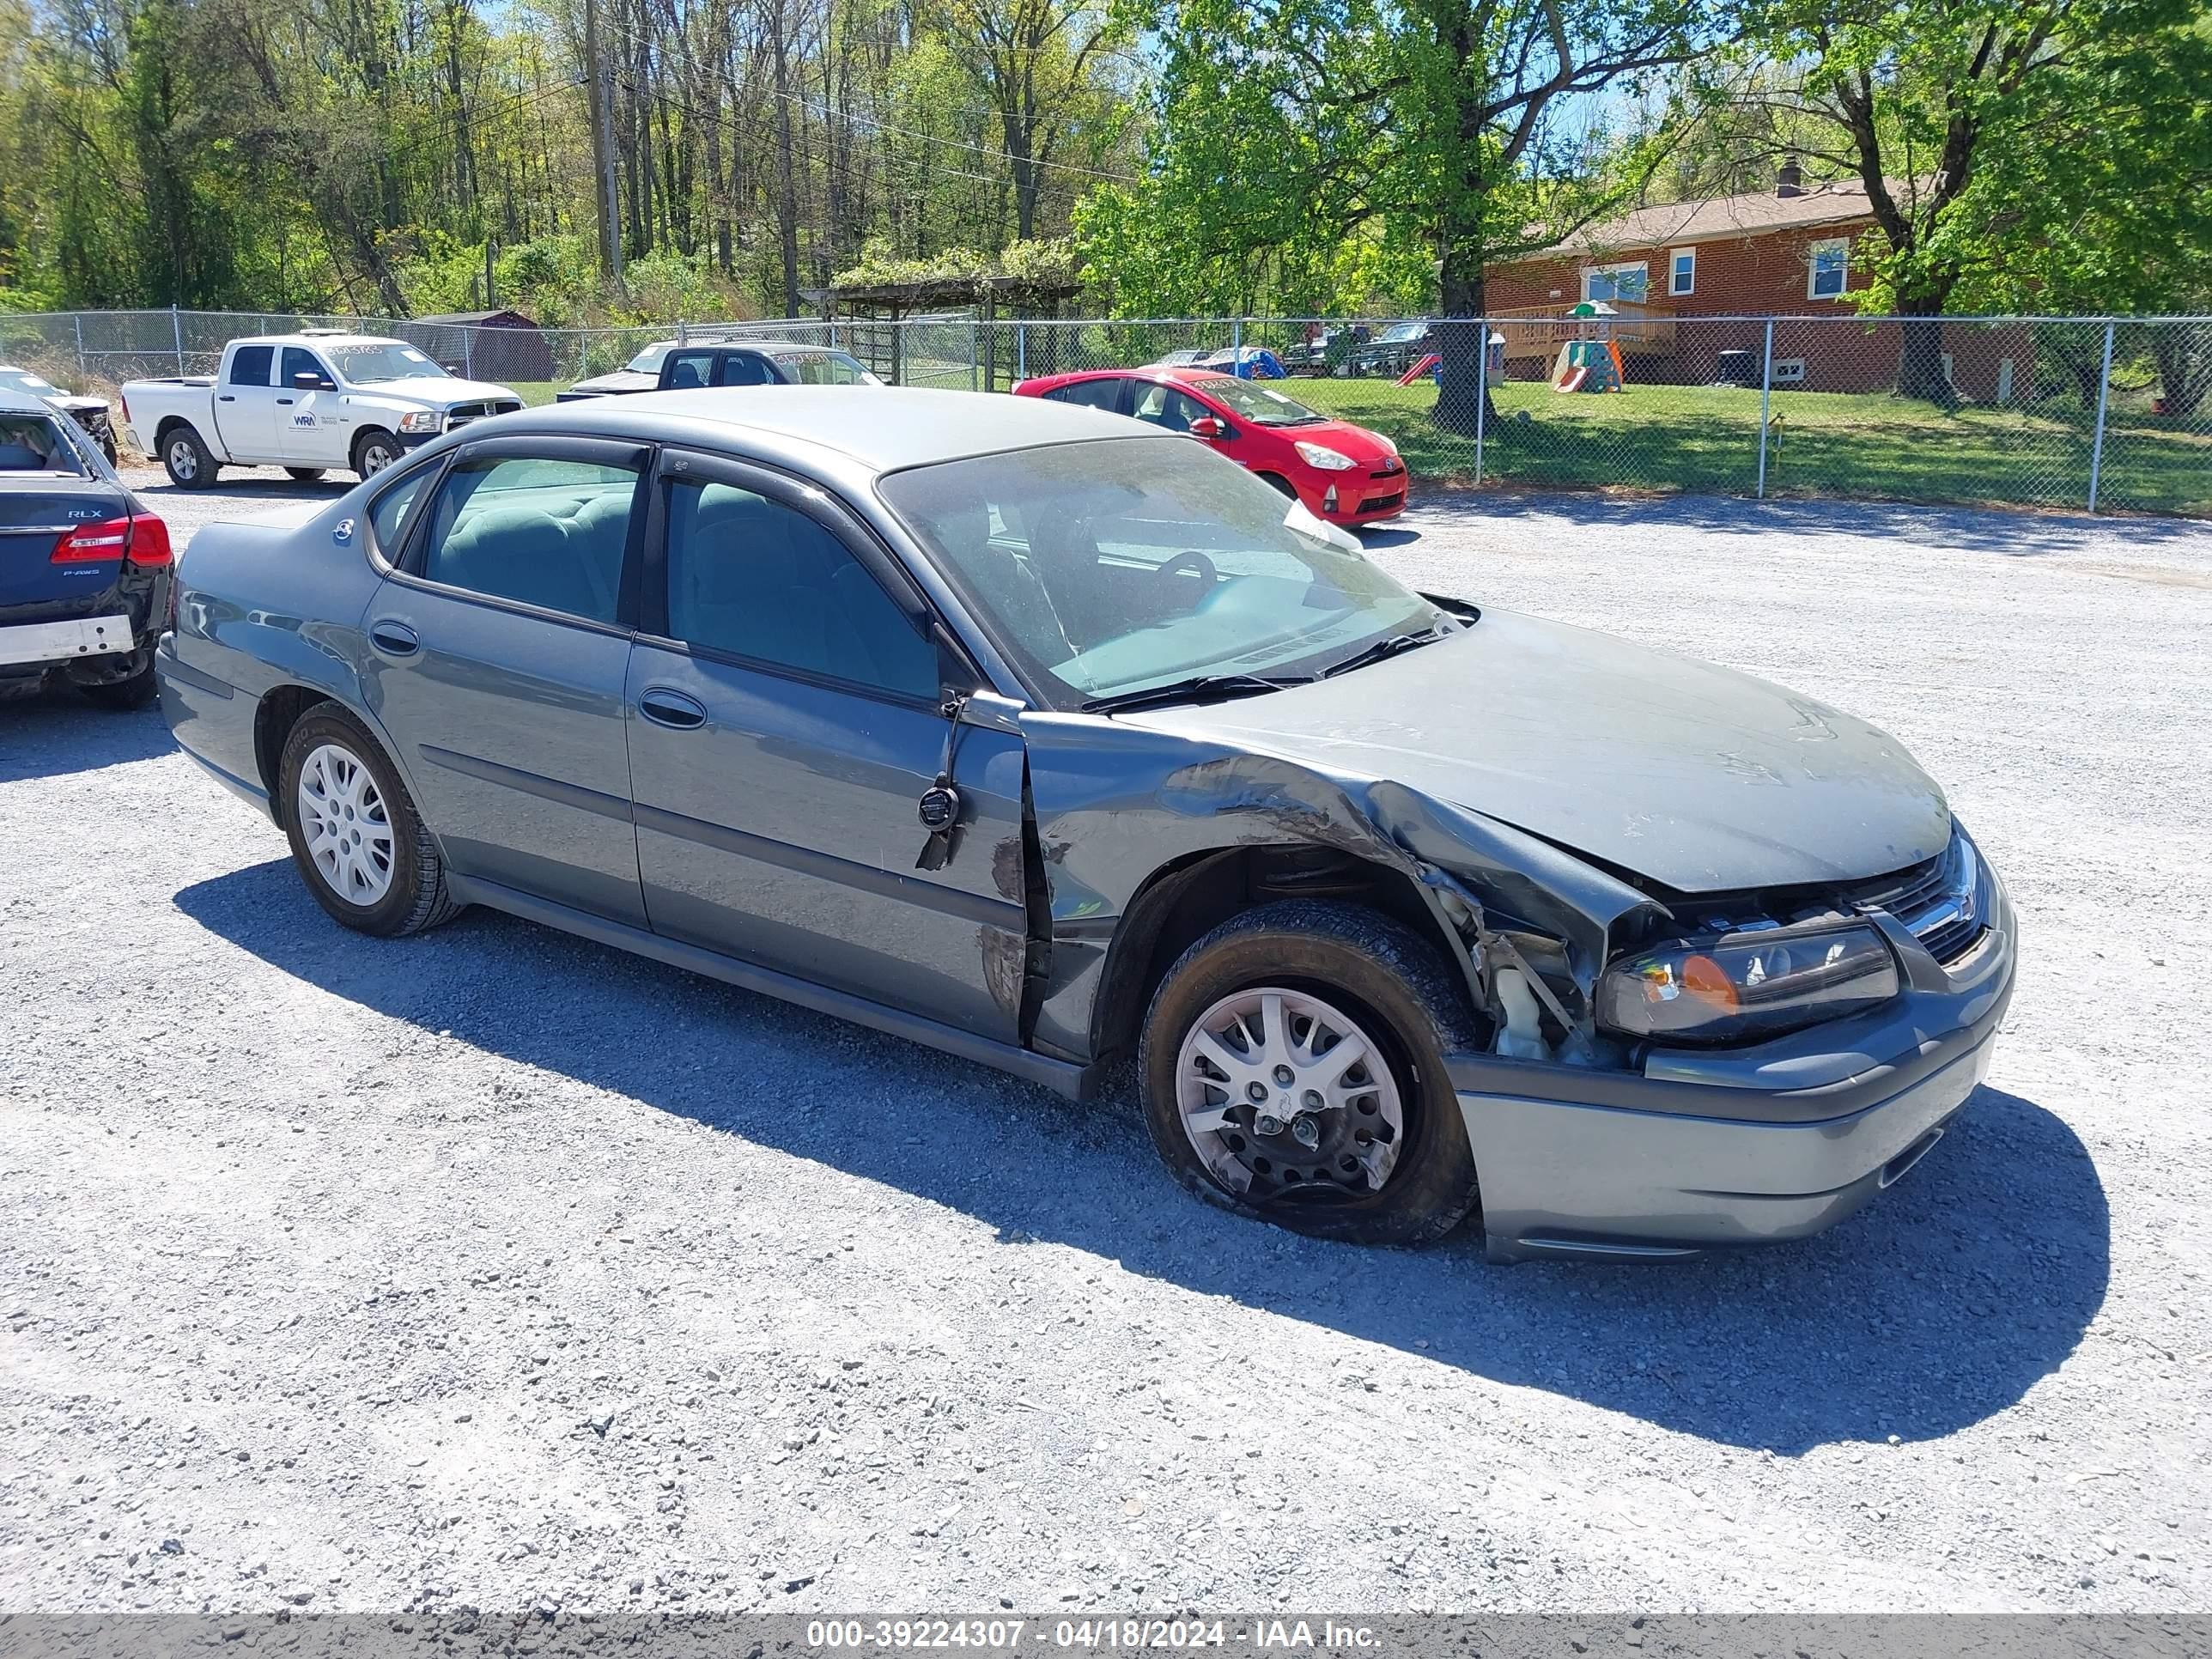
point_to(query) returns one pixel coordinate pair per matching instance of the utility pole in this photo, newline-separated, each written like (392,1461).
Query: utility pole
(601,92)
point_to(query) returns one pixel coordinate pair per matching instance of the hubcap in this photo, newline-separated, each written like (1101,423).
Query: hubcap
(342,821)
(1285,1096)
(182,461)
(374,459)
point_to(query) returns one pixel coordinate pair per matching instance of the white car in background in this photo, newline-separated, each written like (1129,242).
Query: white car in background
(304,402)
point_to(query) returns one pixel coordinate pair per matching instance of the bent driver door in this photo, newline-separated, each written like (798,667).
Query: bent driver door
(787,700)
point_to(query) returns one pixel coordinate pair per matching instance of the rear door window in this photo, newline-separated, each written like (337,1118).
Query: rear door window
(1164,406)
(249,364)
(547,532)
(746,368)
(1092,394)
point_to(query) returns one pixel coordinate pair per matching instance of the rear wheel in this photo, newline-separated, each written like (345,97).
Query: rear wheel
(1293,1070)
(360,845)
(373,452)
(187,459)
(304,474)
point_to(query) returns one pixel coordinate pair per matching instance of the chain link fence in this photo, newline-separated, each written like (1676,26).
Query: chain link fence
(2060,412)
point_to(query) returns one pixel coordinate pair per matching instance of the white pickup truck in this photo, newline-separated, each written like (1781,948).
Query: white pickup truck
(304,402)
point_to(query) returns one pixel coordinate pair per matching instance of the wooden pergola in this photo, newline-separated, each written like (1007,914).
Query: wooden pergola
(857,311)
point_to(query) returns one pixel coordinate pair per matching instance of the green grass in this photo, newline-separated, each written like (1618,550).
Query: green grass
(1871,447)
(1706,440)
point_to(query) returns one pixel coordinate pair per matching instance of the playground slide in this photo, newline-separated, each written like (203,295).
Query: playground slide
(1419,368)
(1573,380)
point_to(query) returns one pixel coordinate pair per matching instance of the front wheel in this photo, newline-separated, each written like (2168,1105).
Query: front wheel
(1293,1067)
(373,452)
(360,845)
(187,459)
(303,474)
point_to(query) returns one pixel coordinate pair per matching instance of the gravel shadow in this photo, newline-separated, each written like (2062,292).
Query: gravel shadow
(58,731)
(1941,1304)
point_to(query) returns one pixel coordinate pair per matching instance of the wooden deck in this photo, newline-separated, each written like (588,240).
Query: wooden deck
(1640,330)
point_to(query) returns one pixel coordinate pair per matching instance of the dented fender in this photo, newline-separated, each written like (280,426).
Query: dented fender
(1115,804)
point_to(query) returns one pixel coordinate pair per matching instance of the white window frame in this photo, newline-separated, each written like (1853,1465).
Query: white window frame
(1674,256)
(1841,244)
(1787,371)
(1641,266)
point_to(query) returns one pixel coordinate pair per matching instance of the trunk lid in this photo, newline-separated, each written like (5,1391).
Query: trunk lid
(36,511)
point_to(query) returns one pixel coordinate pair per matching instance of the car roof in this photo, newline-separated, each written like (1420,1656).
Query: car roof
(319,337)
(13,402)
(883,429)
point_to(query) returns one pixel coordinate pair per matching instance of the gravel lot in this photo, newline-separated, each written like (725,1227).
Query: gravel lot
(495,1267)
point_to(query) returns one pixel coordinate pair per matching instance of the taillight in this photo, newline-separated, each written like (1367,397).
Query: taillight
(125,402)
(144,541)
(91,543)
(149,541)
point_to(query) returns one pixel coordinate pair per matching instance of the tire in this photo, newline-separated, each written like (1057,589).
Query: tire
(325,741)
(1279,483)
(137,692)
(373,451)
(187,460)
(1392,990)
(304,474)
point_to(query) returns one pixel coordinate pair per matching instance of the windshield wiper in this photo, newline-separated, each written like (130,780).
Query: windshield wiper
(1382,648)
(1199,688)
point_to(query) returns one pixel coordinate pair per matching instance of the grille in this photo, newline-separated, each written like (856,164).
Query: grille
(1377,503)
(1938,902)
(1388,469)
(462,414)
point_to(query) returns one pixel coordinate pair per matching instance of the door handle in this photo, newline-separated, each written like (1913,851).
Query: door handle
(225,398)
(673,709)
(283,400)
(394,639)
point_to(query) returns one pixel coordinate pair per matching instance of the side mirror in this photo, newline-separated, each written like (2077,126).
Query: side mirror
(452,367)
(1207,427)
(308,381)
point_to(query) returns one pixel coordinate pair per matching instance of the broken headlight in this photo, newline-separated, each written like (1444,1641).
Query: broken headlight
(1750,984)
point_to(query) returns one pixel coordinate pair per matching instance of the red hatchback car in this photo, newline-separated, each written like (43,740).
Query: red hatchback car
(1345,473)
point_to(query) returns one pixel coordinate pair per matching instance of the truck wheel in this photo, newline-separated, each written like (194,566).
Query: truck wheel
(304,474)
(373,452)
(360,845)
(187,459)
(1293,1070)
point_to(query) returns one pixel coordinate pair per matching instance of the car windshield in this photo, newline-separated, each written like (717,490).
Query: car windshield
(648,361)
(35,443)
(1256,403)
(21,379)
(1402,332)
(823,368)
(366,365)
(1119,564)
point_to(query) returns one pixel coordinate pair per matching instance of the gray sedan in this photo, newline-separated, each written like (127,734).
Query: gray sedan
(1014,730)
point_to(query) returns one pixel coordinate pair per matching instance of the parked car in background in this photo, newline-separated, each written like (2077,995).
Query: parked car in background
(1346,474)
(671,366)
(85,568)
(1395,348)
(304,402)
(90,413)
(1245,362)
(1022,731)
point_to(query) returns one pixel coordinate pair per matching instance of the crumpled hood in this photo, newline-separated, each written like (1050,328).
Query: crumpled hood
(438,390)
(1688,774)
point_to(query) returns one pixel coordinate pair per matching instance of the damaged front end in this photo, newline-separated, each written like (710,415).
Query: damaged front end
(1664,1072)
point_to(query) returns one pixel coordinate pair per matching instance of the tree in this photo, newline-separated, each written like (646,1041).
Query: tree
(1943,109)
(1296,129)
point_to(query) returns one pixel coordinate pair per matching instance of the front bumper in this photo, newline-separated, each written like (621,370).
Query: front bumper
(1360,499)
(1741,1147)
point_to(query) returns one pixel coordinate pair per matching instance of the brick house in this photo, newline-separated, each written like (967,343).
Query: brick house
(1800,252)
